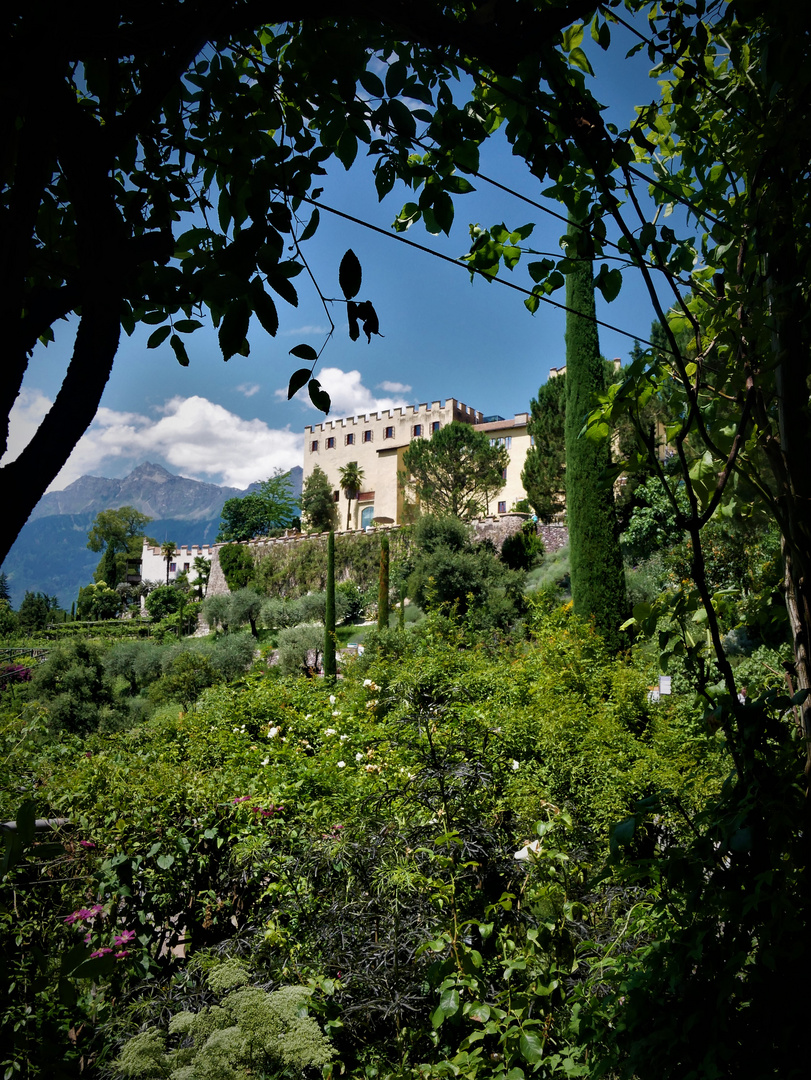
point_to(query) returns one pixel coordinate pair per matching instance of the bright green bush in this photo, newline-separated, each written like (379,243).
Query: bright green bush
(163,601)
(237,565)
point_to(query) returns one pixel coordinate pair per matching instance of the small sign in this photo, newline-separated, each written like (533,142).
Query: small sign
(664,685)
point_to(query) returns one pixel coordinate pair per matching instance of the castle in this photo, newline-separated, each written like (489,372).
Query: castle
(377,442)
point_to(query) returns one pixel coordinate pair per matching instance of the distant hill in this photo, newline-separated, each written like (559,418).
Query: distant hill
(149,488)
(51,553)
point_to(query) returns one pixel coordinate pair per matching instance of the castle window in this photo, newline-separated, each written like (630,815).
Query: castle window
(367,435)
(503,474)
(416,431)
(388,433)
(502,507)
(336,496)
(435,426)
(331,443)
(313,446)
(350,439)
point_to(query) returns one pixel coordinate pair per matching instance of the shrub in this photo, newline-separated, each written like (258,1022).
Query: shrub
(300,649)
(237,565)
(450,571)
(216,611)
(187,675)
(163,601)
(523,549)
(72,686)
(244,606)
(98,602)
(232,654)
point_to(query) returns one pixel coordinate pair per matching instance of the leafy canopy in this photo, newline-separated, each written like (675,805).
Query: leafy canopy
(456,471)
(318,506)
(260,512)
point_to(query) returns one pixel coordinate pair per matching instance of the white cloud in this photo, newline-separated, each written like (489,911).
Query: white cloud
(194,436)
(393,387)
(248,389)
(302,330)
(25,417)
(349,396)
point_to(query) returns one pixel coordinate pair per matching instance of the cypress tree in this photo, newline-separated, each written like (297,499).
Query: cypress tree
(330,668)
(598,578)
(383,589)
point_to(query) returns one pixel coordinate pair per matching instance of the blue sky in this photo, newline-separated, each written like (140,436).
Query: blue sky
(442,335)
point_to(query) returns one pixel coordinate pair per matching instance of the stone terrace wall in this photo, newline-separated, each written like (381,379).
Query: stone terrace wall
(496,528)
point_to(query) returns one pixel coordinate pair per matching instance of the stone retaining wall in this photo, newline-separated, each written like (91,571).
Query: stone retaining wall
(496,528)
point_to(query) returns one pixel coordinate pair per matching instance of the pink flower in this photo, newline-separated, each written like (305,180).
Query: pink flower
(121,955)
(99,952)
(122,939)
(87,844)
(87,938)
(70,919)
(242,798)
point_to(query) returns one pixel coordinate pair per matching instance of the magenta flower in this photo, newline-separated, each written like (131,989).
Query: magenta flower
(242,798)
(70,919)
(87,938)
(99,952)
(87,844)
(121,955)
(122,939)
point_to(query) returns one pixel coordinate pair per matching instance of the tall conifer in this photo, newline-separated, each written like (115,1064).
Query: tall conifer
(330,667)
(383,589)
(598,578)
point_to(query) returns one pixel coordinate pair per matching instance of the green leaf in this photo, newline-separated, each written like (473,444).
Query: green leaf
(443,211)
(179,350)
(281,284)
(479,1011)
(311,226)
(572,37)
(320,398)
(458,185)
(234,328)
(347,149)
(165,861)
(466,157)
(350,275)
(449,1001)
(26,821)
(304,352)
(402,118)
(371,84)
(265,311)
(609,282)
(297,380)
(158,337)
(186,326)
(531,1048)
(396,77)
(621,834)
(578,59)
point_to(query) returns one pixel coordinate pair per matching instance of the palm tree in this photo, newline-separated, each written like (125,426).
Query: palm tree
(351,482)
(168,550)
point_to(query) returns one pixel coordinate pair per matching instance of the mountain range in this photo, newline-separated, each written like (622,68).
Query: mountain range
(51,555)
